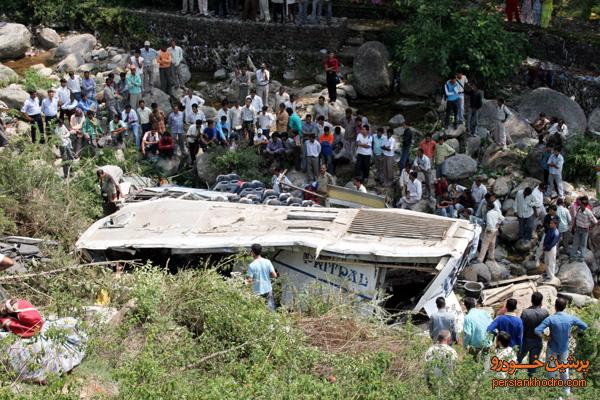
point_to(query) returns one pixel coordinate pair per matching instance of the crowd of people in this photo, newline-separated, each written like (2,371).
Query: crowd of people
(292,11)
(512,336)
(533,12)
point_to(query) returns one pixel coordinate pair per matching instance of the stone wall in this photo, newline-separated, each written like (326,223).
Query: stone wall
(214,43)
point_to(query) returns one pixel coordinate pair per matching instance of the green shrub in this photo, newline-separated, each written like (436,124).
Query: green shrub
(581,155)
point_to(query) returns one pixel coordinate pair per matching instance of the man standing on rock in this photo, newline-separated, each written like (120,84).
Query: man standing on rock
(49,109)
(260,272)
(32,112)
(584,220)
(389,152)
(423,164)
(134,87)
(188,101)
(462,81)
(349,133)
(164,69)
(74,84)
(407,137)
(332,68)
(442,151)
(493,220)
(523,208)
(148,55)
(176,60)
(478,190)
(364,144)
(451,89)
(263,78)
(555,164)
(550,246)
(502,114)
(476,97)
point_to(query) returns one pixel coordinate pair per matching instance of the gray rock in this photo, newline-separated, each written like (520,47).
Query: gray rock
(509,231)
(531,267)
(473,145)
(422,206)
(14,96)
(159,97)
(70,63)
(47,38)
(497,271)
(517,270)
(309,89)
(507,207)
(524,246)
(90,67)
(419,80)
(454,133)
(497,159)
(500,253)
(372,76)
(454,143)
(502,186)
(576,299)
(576,277)
(77,44)
(516,126)
(209,112)
(204,170)
(553,103)
(460,166)
(184,73)
(102,54)
(321,78)
(482,271)
(527,182)
(396,120)
(7,74)
(220,74)
(349,90)
(168,166)
(594,122)
(407,103)
(15,40)
(532,162)
(290,75)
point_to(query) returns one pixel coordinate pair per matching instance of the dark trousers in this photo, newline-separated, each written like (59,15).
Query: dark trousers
(250,9)
(526,226)
(193,149)
(362,167)
(404,157)
(37,126)
(145,128)
(331,85)
(47,122)
(223,8)
(533,346)
(451,107)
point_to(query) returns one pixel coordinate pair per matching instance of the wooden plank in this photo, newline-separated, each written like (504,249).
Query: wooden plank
(506,291)
(513,280)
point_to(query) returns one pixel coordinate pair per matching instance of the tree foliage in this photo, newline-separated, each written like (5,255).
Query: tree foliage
(448,37)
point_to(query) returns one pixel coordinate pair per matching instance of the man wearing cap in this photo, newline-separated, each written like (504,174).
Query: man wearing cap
(148,55)
(32,112)
(263,77)
(134,86)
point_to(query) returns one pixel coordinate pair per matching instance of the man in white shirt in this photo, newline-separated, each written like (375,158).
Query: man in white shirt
(255,100)
(137,60)
(187,101)
(291,103)
(423,164)
(265,120)
(224,110)
(148,55)
(196,115)
(502,115)
(478,190)
(130,117)
(364,150)
(321,108)
(144,114)
(176,60)
(263,78)
(248,115)
(64,96)
(49,108)
(555,164)
(313,151)
(493,220)
(358,184)
(538,195)
(523,208)
(74,85)
(389,149)
(32,112)
(281,97)
(414,192)
(234,116)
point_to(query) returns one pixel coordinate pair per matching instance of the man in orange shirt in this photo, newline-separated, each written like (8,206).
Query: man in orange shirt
(164,69)
(428,146)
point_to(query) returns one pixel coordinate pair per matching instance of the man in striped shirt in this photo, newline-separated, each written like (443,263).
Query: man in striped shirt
(584,220)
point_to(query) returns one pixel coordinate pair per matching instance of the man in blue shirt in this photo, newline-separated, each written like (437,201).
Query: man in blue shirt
(260,272)
(560,325)
(475,335)
(509,323)
(451,90)
(149,55)
(531,317)
(442,320)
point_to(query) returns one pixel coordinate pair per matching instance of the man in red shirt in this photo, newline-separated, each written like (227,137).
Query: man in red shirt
(166,145)
(332,68)
(428,146)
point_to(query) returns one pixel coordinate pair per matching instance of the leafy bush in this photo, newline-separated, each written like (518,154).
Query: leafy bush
(448,37)
(245,161)
(581,155)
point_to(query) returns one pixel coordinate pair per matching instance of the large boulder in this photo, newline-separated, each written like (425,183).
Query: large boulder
(497,271)
(396,120)
(532,162)
(516,126)
(473,145)
(502,186)
(594,122)
(509,231)
(7,74)
(168,166)
(528,182)
(70,63)
(78,44)
(204,169)
(454,143)
(372,76)
(553,103)
(14,96)
(576,277)
(47,38)
(185,73)
(159,97)
(419,80)
(460,166)
(478,272)
(15,40)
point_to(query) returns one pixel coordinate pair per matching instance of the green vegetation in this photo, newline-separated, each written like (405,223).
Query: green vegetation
(32,80)
(449,38)
(580,157)
(245,161)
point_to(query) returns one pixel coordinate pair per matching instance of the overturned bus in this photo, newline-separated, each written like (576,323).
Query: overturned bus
(407,257)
